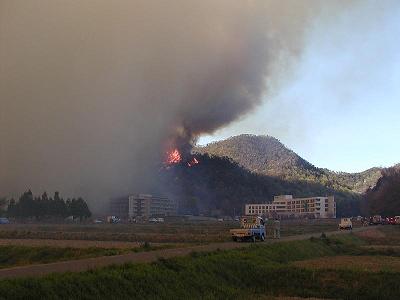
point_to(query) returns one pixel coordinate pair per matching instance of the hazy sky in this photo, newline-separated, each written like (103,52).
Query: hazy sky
(340,109)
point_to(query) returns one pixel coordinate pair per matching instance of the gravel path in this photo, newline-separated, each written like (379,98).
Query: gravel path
(141,257)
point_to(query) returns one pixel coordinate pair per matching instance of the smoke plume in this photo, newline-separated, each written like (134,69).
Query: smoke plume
(92,91)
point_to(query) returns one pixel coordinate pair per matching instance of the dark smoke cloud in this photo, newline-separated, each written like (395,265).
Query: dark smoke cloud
(91,91)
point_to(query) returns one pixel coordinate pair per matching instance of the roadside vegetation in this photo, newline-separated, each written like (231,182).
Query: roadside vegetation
(258,271)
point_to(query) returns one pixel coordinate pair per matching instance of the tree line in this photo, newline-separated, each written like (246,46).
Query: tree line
(43,206)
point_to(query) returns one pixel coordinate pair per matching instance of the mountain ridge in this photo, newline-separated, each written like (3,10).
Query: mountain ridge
(266,155)
(221,184)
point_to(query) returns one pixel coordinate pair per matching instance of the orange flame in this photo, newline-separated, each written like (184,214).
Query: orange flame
(193,162)
(174,157)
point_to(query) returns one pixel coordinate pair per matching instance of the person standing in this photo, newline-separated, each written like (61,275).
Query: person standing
(277,229)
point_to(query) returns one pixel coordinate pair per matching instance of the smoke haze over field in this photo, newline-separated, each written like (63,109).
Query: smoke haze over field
(91,91)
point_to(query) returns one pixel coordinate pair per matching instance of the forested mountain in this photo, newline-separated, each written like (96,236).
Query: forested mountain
(266,155)
(384,197)
(219,183)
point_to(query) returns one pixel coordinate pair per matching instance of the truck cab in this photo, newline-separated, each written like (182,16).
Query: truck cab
(252,228)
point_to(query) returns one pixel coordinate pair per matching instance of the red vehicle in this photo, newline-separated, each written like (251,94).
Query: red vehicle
(391,220)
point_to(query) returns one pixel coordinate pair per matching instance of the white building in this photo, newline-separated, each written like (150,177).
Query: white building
(145,205)
(286,205)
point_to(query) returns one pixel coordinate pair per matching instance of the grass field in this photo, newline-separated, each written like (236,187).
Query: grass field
(12,256)
(183,232)
(19,255)
(261,271)
(347,262)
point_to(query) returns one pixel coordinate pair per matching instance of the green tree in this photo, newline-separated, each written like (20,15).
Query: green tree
(43,206)
(78,208)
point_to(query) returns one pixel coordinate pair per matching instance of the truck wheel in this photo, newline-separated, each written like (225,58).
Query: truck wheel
(262,238)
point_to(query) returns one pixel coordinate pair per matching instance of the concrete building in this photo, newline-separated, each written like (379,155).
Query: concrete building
(119,207)
(145,205)
(287,206)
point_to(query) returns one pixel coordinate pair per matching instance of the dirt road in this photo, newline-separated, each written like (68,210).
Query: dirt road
(142,257)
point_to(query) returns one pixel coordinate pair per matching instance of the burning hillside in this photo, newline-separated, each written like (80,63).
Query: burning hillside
(175,157)
(179,148)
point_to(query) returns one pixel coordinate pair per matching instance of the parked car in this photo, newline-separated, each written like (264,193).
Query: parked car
(113,219)
(385,221)
(4,221)
(375,220)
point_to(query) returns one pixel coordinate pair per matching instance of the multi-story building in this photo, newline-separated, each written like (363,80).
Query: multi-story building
(119,207)
(286,205)
(145,205)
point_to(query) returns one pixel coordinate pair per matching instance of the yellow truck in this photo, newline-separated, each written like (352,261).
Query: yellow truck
(252,228)
(345,223)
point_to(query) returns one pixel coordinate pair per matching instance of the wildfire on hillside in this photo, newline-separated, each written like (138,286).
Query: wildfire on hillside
(174,156)
(193,162)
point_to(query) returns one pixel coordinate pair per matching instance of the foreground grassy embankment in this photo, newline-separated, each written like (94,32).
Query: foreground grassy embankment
(11,256)
(255,271)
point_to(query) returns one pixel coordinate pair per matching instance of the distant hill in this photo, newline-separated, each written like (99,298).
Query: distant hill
(220,184)
(266,155)
(250,168)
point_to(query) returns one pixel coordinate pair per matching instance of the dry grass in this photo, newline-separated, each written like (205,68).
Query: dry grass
(382,247)
(388,235)
(266,297)
(372,233)
(179,232)
(361,263)
(155,233)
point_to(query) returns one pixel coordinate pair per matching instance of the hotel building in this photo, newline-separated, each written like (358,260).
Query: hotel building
(286,205)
